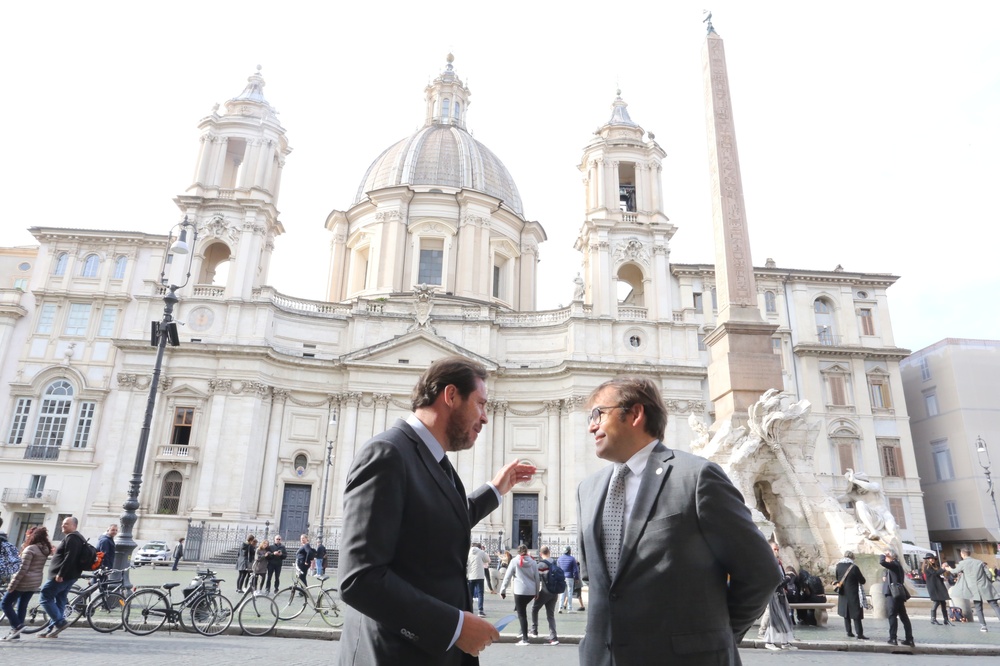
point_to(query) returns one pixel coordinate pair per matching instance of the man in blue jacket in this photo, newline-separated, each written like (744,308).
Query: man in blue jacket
(571,568)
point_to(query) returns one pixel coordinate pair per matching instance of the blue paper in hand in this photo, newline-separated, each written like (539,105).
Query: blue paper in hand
(504,621)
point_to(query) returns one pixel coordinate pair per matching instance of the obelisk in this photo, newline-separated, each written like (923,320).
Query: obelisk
(743,365)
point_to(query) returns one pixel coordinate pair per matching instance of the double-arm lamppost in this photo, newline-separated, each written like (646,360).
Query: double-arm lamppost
(331,439)
(984,462)
(162,331)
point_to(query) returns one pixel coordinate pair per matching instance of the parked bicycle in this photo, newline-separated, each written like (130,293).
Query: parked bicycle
(257,613)
(204,607)
(293,600)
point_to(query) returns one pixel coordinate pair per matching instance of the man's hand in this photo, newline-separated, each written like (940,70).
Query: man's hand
(511,474)
(477,635)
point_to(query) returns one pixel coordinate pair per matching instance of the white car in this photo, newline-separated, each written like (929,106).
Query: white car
(154,551)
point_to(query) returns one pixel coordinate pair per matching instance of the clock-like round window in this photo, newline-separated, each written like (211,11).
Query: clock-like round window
(23,266)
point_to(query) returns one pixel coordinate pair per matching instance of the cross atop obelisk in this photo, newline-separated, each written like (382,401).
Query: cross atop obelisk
(743,365)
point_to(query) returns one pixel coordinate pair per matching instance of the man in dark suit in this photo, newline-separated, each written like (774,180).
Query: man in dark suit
(406,534)
(658,528)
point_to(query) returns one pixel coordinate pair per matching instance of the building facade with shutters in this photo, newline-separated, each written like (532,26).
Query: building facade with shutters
(434,256)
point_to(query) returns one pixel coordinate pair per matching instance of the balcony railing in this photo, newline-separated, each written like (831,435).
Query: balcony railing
(176,451)
(631,313)
(28,496)
(35,452)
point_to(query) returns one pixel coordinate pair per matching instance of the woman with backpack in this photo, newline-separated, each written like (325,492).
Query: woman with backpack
(524,571)
(26,581)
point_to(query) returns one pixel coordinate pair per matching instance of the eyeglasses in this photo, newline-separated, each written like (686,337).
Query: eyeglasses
(597,413)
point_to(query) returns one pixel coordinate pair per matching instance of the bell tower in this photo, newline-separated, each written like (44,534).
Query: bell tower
(234,196)
(625,235)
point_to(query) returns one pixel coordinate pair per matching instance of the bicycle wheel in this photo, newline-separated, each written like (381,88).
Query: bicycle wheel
(104,612)
(76,606)
(145,612)
(329,608)
(258,615)
(291,602)
(212,614)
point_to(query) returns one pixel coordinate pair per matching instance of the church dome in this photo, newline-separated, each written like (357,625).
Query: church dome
(443,153)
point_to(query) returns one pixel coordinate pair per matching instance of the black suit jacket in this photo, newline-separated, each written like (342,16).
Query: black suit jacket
(404,546)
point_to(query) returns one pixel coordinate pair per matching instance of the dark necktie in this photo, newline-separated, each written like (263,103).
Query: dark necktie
(614,520)
(449,471)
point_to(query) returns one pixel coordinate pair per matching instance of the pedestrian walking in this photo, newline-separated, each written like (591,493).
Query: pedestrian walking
(936,580)
(523,571)
(304,557)
(319,563)
(894,590)
(178,553)
(475,571)
(28,578)
(550,577)
(850,591)
(975,582)
(63,572)
(571,568)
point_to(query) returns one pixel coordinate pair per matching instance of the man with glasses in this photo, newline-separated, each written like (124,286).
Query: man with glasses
(659,527)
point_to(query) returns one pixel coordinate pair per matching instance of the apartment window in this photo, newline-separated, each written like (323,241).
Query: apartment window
(183,420)
(90,266)
(845,444)
(22,410)
(891,456)
(431,261)
(941,454)
(896,509)
(61,262)
(496,282)
(838,386)
(120,264)
(170,493)
(823,313)
(952,510)
(878,391)
(776,348)
(53,419)
(56,534)
(866,321)
(46,318)
(925,369)
(930,401)
(108,318)
(78,319)
(21,284)
(84,422)
(770,303)
(36,486)
(697,301)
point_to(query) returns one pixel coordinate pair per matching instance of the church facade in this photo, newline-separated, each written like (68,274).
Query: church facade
(267,393)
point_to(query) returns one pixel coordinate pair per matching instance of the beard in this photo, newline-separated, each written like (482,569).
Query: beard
(460,437)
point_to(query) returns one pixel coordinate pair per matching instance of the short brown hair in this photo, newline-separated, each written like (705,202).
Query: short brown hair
(639,391)
(456,371)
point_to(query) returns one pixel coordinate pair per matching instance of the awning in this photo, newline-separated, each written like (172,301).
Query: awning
(970,534)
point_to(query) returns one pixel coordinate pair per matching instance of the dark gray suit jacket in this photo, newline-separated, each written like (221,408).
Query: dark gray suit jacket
(670,602)
(403,554)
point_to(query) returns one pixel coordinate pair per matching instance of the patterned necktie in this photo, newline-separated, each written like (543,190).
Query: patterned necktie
(449,470)
(614,520)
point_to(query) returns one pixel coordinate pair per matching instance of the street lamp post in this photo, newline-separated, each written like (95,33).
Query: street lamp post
(162,331)
(985,462)
(331,439)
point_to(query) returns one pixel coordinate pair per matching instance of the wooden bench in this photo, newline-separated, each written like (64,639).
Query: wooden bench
(821,609)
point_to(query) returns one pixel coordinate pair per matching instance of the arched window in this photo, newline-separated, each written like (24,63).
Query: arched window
(52,427)
(301,461)
(170,493)
(770,306)
(825,332)
(120,264)
(61,261)
(445,109)
(90,265)
(845,444)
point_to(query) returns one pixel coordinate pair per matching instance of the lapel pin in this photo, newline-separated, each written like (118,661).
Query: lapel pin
(659,470)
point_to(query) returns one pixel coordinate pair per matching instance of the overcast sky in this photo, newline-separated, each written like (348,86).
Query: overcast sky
(868,131)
